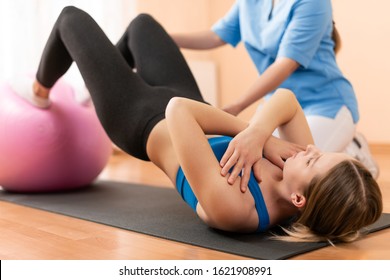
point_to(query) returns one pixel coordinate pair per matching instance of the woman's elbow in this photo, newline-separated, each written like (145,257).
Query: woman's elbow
(228,220)
(287,93)
(288,96)
(175,105)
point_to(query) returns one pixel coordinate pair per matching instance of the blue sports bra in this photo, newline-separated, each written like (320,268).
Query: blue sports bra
(219,146)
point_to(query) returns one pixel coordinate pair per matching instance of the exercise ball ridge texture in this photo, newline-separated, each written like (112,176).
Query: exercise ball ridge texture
(60,148)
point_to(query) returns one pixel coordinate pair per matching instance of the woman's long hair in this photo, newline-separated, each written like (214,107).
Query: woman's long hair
(336,39)
(339,205)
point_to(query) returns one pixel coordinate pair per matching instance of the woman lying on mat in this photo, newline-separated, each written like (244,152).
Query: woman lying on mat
(157,113)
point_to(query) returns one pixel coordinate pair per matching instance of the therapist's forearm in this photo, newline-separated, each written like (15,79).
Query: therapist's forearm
(270,80)
(202,40)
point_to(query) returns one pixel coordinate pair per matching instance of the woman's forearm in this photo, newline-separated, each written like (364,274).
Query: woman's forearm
(284,112)
(211,120)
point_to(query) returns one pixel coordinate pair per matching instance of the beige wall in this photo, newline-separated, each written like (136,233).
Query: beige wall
(180,16)
(364,58)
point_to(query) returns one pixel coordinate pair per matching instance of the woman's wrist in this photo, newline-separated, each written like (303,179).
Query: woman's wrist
(259,134)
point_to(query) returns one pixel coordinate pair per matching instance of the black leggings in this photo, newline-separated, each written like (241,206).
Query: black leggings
(128,104)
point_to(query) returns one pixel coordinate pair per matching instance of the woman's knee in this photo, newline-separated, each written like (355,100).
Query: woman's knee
(72,15)
(69,11)
(142,22)
(332,135)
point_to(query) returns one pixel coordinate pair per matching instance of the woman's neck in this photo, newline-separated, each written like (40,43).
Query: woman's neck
(275,193)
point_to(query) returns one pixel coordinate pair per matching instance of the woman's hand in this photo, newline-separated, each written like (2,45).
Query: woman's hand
(277,150)
(242,153)
(245,152)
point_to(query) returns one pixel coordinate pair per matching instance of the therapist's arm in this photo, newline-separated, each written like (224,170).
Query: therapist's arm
(202,40)
(269,81)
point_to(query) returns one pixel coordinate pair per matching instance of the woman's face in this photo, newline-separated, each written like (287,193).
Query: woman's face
(301,168)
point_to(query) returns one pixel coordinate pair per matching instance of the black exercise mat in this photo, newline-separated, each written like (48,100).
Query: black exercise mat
(161,212)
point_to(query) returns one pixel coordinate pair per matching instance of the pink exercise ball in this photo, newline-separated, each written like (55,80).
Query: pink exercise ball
(60,148)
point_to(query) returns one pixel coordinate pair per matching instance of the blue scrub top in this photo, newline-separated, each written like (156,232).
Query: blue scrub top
(300,30)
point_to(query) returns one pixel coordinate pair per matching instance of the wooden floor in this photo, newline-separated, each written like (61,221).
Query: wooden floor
(27,233)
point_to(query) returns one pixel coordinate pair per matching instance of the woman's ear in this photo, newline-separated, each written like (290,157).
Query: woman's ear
(298,200)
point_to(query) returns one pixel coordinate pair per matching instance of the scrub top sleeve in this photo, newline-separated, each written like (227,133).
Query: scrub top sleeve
(309,22)
(228,27)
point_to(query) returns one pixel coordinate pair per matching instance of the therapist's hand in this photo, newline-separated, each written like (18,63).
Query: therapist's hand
(242,153)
